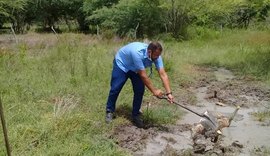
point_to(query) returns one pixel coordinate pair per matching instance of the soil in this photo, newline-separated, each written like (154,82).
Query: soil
(218,93)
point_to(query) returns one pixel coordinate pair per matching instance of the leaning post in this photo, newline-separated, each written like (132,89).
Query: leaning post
(4,128)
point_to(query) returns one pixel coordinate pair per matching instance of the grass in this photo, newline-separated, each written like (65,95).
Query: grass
(261,151)
(262,115)
(43,72)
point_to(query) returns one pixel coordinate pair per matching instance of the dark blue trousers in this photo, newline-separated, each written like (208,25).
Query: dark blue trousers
(118,80)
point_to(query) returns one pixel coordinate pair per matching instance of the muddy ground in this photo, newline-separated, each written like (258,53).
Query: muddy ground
(216,86)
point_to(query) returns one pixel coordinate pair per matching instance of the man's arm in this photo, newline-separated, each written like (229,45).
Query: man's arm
(146,80)
(166,83)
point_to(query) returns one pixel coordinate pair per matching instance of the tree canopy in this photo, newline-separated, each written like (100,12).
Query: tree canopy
(133,18)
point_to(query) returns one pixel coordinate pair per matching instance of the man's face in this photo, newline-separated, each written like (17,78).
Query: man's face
(154,54)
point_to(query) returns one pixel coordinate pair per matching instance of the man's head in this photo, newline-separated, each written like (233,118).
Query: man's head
(154,50)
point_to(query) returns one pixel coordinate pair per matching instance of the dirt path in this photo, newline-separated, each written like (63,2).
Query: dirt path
(245,136)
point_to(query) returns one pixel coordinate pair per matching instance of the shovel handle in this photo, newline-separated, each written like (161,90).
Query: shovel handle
(165,97)
(200,115)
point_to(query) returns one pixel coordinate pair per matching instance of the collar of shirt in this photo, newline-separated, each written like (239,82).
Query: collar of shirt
(146,55)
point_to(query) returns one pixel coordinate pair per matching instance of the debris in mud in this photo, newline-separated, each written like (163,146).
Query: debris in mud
(204,134)
(237,144)
(247,95)
(131,137)
(169,151)
(204,126)
(206,147)
(169,139)
(220,104)
(224,87)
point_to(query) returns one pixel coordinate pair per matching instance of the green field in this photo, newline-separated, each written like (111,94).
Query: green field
(54,89)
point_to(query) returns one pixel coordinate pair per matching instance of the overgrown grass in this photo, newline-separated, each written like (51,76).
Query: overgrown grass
(245,52)
(42,70)
(30,84)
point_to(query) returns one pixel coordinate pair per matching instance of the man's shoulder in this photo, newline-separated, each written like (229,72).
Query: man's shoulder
(138,44)
(135,46)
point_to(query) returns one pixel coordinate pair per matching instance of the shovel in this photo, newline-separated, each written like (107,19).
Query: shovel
(206,115)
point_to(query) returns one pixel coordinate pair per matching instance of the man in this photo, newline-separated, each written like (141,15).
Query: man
(130,62)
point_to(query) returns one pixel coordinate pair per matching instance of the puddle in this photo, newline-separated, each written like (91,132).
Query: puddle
(248,132)
(244,134)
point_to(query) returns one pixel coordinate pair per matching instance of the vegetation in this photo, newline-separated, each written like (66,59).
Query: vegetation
(54,86)
(132,18)
(54,90)
(262,115)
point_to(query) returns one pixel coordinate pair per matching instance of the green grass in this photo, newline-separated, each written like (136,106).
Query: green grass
(261,151)
(244,52)
(75,70)
(262,115)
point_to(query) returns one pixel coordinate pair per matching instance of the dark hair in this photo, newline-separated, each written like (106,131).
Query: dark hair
(153,46)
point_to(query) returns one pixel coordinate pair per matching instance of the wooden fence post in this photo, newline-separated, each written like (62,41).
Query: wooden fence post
(4,128)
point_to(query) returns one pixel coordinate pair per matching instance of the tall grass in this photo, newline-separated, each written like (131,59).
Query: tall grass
(73,73)
(245,52)
(30,84)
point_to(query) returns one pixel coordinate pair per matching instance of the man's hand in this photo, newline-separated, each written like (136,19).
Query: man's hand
(170,98)
(158,93)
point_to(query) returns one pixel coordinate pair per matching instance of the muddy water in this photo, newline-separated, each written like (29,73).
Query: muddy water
(244,129)
(159,144)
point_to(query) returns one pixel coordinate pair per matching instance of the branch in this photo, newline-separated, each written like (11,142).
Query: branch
(13,32)
(54,32)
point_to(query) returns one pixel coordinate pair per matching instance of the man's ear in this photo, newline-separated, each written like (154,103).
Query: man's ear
(149,52)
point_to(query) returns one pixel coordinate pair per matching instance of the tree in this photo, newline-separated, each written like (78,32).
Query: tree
(90,6)
(10,11)
(177,17)
(134,18)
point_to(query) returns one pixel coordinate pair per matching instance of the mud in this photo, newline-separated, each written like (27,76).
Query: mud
(245,136)
(133,138)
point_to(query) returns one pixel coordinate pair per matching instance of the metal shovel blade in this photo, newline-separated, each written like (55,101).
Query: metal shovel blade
(211,122)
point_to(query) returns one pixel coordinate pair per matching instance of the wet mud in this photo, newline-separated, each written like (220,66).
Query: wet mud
(218,94)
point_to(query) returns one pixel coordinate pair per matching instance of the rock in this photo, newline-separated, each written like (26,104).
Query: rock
(220,104)
(200,148)
(237,144)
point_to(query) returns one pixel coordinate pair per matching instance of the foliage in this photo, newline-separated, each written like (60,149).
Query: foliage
(177,20)
(10,11)
(133,18)
(89,6)
(42,72)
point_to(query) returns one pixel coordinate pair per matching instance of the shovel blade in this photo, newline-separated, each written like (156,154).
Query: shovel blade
(209,121)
